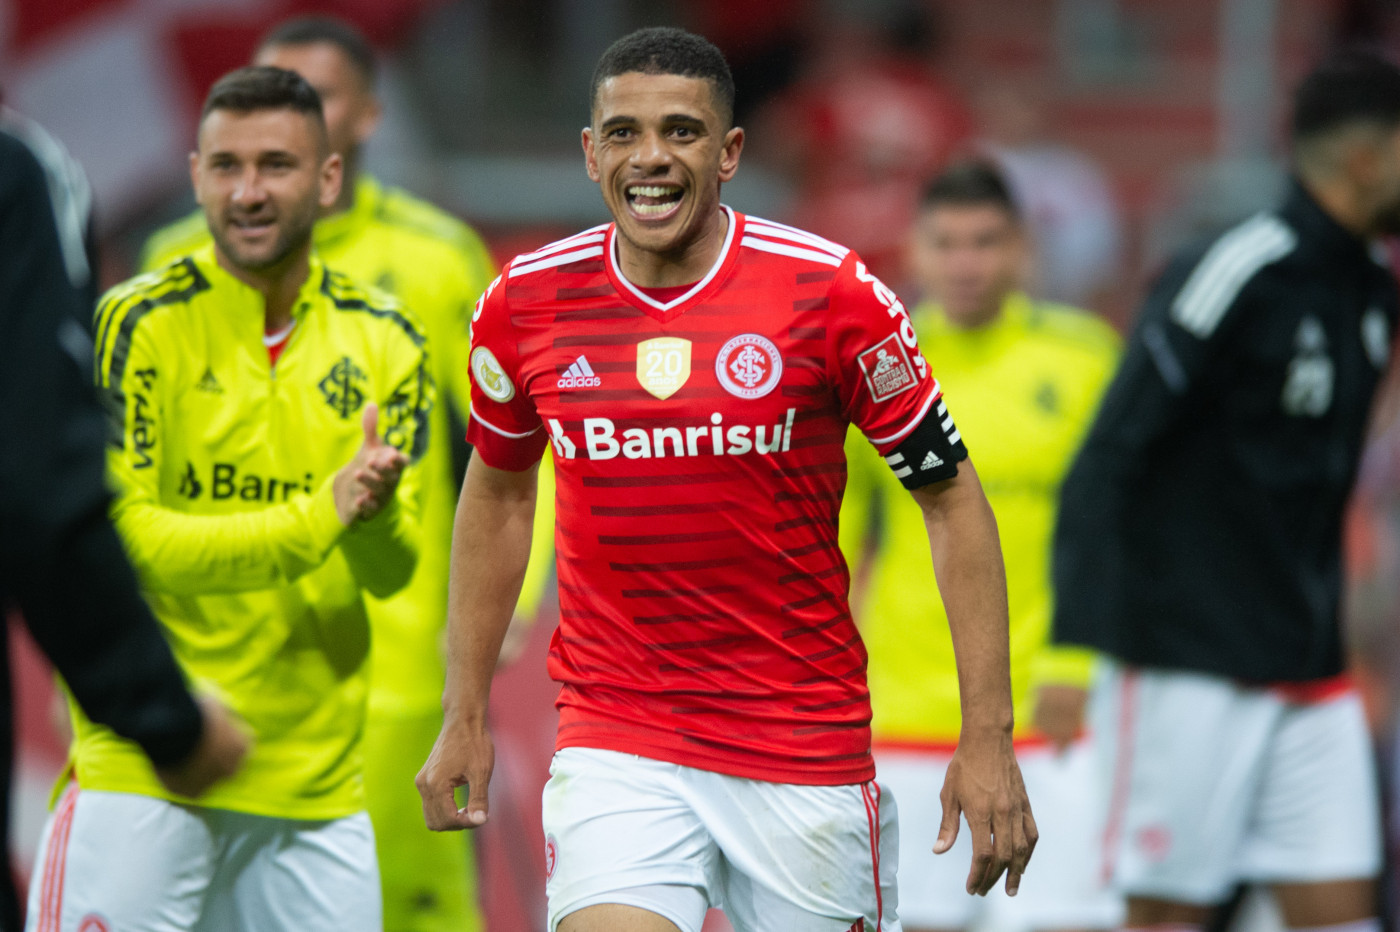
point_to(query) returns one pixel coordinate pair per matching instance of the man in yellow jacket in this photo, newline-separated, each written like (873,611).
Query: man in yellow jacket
(437,266)
(266,414)
(1025,378)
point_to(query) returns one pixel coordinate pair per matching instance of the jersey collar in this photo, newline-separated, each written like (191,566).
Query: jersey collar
(670,310)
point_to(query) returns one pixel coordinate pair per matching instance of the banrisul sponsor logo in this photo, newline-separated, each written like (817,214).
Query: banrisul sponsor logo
(602,439)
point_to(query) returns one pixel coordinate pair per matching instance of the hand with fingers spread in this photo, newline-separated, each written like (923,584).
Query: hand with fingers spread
(984,786)
(462,756)
(365,486)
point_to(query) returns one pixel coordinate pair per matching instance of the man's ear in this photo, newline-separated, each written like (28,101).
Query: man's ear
(590,159)
(729,157)
(332,175)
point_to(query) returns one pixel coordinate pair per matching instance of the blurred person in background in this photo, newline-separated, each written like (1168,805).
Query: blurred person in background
(61,563)
(1026,377)
(1200,537)
(1069,207)
(245,386)
(862,130)
(437,266)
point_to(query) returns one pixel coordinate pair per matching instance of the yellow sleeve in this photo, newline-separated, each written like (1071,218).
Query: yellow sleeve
(859,511)
(538,573)
(185,554)
(478,271)
(384,551)
(171,242)
(1062,665)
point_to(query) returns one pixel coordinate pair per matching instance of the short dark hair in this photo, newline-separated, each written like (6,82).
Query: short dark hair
(262,87)
(1353,87)
(974,182)
(666,50)
(313,30)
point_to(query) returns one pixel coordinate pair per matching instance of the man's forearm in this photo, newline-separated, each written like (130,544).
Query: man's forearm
(490,550)
(972,581)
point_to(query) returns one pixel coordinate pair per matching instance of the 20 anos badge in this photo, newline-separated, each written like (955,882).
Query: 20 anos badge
(663,365)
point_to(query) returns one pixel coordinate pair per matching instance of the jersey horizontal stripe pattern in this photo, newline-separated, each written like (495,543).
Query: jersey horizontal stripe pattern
(703,615)
(1227,268)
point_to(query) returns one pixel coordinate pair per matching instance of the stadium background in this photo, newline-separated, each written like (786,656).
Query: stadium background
(1128,126)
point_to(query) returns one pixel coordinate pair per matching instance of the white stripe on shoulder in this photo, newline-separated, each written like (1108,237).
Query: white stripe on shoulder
(914,421)
(595,235)
(563,258)
(796,252)
(1226,268)
(792,234)
(476,416)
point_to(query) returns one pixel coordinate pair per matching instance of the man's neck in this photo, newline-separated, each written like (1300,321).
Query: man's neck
(279,285)
(667,270)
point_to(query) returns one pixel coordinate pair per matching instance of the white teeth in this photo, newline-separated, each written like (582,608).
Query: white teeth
(651,191)
(653,208)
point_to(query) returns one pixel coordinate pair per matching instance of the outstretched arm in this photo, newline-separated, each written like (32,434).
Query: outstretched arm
(490,549)
(984,781)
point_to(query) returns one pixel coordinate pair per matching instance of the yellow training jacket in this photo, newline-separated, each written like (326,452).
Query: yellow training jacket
(1024,389)
(437,266)
(224,467)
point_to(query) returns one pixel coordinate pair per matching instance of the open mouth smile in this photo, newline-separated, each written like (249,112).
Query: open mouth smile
(654,201)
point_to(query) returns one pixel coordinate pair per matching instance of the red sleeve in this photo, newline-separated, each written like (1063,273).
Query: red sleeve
(504,428)
(882,379)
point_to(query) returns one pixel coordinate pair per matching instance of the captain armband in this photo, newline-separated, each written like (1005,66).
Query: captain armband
(931,452)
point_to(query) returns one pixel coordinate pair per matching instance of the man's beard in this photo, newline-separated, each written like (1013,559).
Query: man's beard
(292,233)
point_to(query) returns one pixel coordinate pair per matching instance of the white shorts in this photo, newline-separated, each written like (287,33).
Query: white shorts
(676,840)
(119,861)
(1062,888)
(1213,783)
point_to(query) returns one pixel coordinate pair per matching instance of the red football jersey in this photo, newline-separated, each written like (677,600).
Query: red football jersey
(698,445)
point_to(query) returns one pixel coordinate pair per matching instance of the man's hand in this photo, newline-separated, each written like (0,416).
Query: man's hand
(1059,713)
(462,756)
(223,743)
(364,486)
(984,784)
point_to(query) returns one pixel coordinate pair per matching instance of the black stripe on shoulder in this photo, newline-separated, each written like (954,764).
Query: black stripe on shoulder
(347,296)
(186,281)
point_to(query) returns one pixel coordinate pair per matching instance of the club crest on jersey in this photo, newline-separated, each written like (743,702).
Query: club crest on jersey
(344,387)
(887,368)
(663,365)
(490,376)
(749,366)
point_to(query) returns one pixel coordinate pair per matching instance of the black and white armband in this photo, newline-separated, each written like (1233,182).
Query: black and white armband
(931,452)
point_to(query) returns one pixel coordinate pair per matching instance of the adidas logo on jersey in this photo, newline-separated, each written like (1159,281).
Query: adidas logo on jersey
(208,383)
(930,461)
(580,375)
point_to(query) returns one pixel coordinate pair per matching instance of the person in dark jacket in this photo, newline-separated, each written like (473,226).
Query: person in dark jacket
(1199,538)
(61,564)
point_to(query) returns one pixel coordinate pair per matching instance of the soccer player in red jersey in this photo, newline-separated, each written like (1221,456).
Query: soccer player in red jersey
(695,371)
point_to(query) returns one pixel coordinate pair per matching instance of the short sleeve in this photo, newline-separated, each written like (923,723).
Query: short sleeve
(504,427)
(883,381)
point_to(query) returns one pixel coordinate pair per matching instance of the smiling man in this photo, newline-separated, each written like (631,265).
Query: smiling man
(246,386)
(694,370)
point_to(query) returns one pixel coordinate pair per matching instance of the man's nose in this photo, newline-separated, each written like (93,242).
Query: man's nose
(652,153)
(249,189)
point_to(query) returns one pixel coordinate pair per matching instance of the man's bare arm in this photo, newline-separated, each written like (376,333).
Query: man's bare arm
(983,782)
(490,549)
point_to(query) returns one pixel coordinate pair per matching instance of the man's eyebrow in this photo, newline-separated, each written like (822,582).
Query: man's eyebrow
(618,121)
